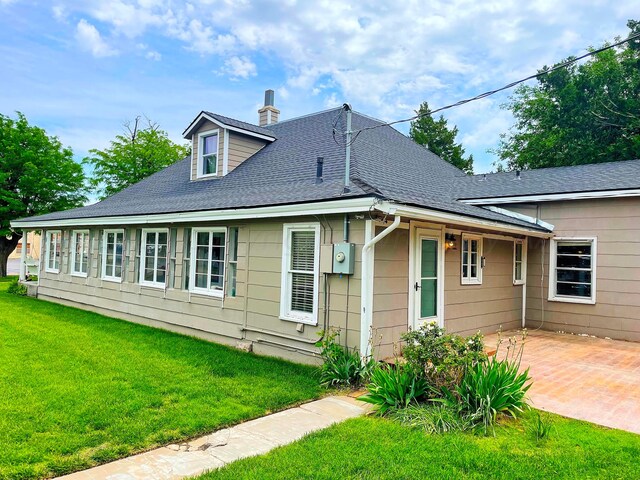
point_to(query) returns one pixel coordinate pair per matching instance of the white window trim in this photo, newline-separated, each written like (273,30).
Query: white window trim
(201,137)
(143,258)
(468,280)
(48,251)
(553,296)
(285,291)
(523,270)
(104,275)
(73,253)
(192,263)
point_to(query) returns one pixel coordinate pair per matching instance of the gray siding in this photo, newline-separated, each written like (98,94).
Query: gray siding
(256,305)
(616,224)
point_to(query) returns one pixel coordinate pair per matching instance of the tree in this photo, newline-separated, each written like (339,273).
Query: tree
(133,156)
(585,113)
(37,176)
(440,139)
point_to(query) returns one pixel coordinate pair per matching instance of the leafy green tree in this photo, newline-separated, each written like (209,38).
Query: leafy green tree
(585,113)
(440,139)
(37,176)
(132,156)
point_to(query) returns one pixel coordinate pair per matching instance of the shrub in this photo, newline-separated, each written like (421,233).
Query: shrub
(341,366)
(393,388)
(437,418)
(491,387)
(16,288)
(441,358)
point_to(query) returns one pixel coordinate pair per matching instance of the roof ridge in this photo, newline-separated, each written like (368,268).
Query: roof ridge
(593,164)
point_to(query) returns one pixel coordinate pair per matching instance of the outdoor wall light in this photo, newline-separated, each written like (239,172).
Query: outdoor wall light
(450,241)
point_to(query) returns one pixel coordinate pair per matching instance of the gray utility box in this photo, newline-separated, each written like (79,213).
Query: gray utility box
(344,255)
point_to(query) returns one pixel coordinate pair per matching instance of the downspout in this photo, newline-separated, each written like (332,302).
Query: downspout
(525,254)
(366,291)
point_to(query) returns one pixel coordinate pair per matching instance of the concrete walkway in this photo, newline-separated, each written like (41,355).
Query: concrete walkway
(583,377)
(224,446)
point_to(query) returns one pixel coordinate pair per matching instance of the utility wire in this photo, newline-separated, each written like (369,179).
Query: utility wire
(506,87)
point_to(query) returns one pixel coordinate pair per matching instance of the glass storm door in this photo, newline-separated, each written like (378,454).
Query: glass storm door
(426,280)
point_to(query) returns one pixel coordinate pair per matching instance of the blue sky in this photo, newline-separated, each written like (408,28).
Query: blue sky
(80,69)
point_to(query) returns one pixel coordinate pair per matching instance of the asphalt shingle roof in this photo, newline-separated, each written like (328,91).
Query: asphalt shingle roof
(580,178)
(385,163)
(232,122)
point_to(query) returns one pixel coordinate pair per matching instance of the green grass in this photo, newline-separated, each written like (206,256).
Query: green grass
(78,389)
(374,448)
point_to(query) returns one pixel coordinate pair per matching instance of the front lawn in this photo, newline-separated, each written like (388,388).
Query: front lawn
(376,448)
(78,388)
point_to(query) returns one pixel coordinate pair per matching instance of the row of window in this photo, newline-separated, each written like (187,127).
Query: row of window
(210,262)
(207,246)
(572,266)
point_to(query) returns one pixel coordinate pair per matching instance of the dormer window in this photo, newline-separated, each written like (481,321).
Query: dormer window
(208,153)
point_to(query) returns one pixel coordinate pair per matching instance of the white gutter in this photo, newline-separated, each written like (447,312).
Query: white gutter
(520,216)
(366,289)
(551,197)
(316,208)
(426,214)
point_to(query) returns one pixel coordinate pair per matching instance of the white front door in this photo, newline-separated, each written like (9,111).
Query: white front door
(427,285)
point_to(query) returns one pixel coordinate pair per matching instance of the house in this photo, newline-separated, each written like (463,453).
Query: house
(268,234)
(32,248)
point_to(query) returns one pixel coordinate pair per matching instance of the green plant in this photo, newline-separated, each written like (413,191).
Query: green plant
(491,387)
(393,388)
(16,288)
(441,358)
(540,426)
(436,418)
(341,366)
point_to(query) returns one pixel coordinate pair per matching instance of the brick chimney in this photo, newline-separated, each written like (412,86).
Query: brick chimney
(268,114)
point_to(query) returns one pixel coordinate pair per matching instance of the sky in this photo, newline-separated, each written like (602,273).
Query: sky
(80,69)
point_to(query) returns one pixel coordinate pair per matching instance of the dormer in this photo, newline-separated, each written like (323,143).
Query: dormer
(219,144)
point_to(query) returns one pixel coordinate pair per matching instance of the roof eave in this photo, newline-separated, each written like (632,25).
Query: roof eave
(187,134)
(427,214)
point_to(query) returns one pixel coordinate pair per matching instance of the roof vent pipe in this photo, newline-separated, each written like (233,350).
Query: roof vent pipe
(319,165)
(518,175)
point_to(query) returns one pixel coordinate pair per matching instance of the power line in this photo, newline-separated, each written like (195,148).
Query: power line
(506,87)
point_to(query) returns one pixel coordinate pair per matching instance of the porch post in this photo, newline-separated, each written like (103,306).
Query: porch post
(524,281)
(23,255)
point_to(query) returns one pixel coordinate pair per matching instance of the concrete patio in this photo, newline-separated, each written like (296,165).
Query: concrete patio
(582,377)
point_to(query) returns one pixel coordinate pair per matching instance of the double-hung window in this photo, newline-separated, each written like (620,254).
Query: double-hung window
(573,270)
(153,267)
(52,252)
(112,250)
(207,261)
(208,153)
(80,253)
(300,272)
(519,262)
(471,271)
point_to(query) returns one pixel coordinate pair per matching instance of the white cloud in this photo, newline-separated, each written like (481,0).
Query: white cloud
(153,55)
(90,39)
(240,67)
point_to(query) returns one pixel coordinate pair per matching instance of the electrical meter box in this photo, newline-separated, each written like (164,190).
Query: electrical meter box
(344,255)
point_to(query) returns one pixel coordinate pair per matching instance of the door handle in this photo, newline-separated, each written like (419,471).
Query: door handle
(417,286)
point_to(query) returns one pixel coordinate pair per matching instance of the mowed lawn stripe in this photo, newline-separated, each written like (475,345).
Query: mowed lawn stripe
(78,388)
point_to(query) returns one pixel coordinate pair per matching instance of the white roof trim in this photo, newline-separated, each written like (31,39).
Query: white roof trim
(520,216)
(315,208)
(550,197)
(452,218)
(188,132)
